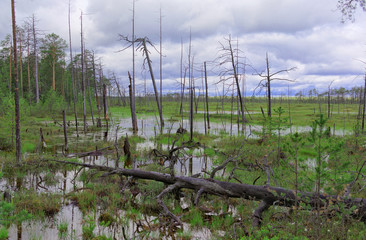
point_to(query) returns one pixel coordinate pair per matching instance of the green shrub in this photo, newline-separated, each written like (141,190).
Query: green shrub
(4,233)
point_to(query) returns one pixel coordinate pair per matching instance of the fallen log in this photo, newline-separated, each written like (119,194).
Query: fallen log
(267,195)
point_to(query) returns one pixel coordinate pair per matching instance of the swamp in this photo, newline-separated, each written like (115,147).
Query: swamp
(48,197)
(95,148)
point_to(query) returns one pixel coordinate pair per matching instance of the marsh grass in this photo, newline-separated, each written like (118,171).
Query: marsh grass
(62,228)
(38,204)
(86,200)
(195,218)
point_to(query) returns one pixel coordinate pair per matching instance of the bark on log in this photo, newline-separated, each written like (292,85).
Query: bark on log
(268,195)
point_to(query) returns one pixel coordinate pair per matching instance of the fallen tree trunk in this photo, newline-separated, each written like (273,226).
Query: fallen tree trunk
(268,195)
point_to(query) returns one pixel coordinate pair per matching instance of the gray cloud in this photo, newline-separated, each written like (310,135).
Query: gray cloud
(306,34)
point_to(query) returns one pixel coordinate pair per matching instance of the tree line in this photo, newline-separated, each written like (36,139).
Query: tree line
(43,65)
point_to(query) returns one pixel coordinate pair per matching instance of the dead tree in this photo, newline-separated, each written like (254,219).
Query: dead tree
(20,34)
(182,85)
(161,62)
(364,106)
(142,46)
(99,122)
(230,71)
(82,70)
(207,108)
(105,104)
(35,48)
(190,74)
(28,39)
(88,84)
(268,77)
(133,82)
(132,105)
(72,75)
(181,79)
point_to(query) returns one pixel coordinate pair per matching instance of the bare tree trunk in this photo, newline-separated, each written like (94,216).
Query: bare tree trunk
(161,62)
(195,98)
(181,79)
(204,101)
(28,68)
(72,75)
(82,71)
(16,89)
(132,106)
(231,111)
(35,57)
(207,108)
(109,101)
(90,100)
(154,84)
(132,81)
(106,118)
(20,64)
(191,109)
(268,88)
(182,95)
(99,123)
(190,90)
(244,120)
(364,106)
(238,115)
(222,106)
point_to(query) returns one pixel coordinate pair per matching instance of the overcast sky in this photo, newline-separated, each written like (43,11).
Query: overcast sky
(306,34)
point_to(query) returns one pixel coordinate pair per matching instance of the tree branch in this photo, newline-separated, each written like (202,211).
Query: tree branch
(171,188)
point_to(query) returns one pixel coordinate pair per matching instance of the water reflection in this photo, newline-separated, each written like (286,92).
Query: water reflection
(132,227)
(192,164)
